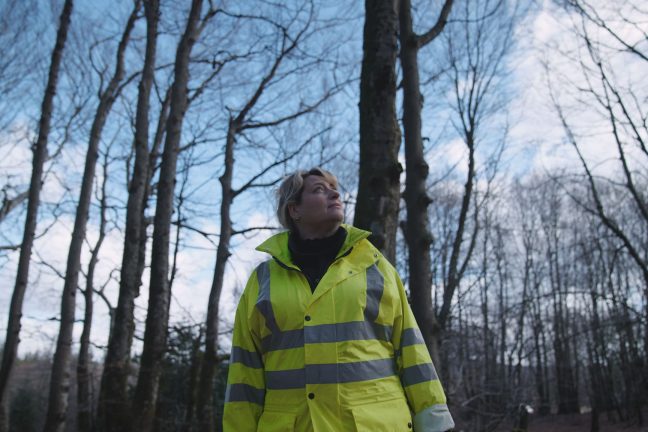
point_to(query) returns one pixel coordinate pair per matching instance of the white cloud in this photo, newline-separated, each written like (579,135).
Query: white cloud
(539,137)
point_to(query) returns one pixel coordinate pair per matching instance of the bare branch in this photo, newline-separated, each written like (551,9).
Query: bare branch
(250,183)
(436,30)
(600,210)
(259,228)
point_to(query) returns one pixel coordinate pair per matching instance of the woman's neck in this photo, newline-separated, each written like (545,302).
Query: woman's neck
(311,233)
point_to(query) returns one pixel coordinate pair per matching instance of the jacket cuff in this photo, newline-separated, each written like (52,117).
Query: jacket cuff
(435,418)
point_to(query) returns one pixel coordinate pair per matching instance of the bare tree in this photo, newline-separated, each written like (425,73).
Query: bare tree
(553,233)
(477,48)
(529,199)
(417,234)
(114,406)
(40,155)
(59,382)
(621,110)
(159,296)
(85,401)
(378,194)
(601,40)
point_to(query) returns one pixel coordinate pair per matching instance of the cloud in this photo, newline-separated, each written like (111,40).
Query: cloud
(552,55)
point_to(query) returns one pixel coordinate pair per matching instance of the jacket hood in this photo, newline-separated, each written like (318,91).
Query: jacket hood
(277,245)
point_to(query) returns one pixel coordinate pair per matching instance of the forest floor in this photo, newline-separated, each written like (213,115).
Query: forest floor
(581,422)
(577,423)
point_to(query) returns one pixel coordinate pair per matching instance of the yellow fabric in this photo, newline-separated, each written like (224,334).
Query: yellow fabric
(346,357)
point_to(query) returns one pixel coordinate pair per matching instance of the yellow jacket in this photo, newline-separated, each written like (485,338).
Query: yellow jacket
(347,357)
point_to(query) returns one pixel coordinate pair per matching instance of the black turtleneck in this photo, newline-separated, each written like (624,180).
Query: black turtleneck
(315,256)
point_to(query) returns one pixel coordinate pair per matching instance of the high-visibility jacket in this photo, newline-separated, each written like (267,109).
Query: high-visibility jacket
(347,357)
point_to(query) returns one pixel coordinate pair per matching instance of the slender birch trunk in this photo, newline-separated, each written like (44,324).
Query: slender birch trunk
(206,388)
(60,378)
(12,337)
(155,335)
(113,400)
(85,403)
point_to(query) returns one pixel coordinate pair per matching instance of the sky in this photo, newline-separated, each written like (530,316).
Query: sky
(535,144)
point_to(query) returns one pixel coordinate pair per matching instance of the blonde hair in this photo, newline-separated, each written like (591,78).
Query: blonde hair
(290,192)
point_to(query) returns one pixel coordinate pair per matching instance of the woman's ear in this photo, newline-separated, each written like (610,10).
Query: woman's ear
(293,211)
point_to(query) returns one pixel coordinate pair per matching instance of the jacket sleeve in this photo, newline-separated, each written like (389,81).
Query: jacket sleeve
(418,376)
(244,397)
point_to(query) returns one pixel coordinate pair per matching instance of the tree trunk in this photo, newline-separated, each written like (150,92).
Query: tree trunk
(237,125)
(154,156)
(379,177)
(194,376)
(595,386)
(85,403)
(60,378)
(418,236)
(567,392)
(206,390)
(157,319)
(12,337)
(455,268)
(538,336)
(113,399)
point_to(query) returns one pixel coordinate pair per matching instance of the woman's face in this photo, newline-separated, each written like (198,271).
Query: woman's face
(320,210)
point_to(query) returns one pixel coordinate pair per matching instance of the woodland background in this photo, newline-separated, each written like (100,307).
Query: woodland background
(495,148)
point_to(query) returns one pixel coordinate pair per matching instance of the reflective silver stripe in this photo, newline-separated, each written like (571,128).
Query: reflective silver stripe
(325,333)
(330,374)
(280,340)
(366,370)
(263,299)
(323,373)
(285,379)
(375,288)
(347,331)
(244,393)
(411,336)
(250,359)
(418,374)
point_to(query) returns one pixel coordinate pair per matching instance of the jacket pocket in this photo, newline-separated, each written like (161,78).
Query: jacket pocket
(275,421)
(388,416)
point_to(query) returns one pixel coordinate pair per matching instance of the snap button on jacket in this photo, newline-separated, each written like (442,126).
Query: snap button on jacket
(347,357)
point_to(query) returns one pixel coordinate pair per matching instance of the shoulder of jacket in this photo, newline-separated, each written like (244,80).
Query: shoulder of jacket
(269,267)
(385,267)
(252,287)
(371,256)
(262,264)
(366,247)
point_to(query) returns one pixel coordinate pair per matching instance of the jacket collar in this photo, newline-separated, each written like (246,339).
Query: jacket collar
(277,245)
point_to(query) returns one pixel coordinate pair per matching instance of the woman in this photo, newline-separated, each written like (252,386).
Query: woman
(324,339)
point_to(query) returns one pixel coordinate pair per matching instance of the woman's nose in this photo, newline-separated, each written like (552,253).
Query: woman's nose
(334,193)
